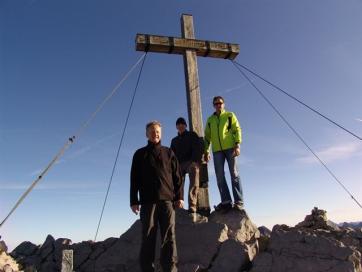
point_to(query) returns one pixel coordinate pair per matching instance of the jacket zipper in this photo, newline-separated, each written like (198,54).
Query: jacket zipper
(218,132)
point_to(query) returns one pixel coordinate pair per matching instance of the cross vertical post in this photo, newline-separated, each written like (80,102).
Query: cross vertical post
(194,106)
(192,78)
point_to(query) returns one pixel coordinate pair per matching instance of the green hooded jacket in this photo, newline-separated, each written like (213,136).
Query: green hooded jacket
(223,131)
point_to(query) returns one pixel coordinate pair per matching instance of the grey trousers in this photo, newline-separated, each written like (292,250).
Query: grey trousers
(193,169)
(152,215)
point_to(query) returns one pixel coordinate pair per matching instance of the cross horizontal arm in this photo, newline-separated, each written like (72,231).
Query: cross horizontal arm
(173,45)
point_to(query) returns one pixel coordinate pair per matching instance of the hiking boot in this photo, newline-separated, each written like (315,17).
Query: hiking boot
(223,207)
(239,206)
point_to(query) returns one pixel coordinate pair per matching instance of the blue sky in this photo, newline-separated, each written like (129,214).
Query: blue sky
(59,59)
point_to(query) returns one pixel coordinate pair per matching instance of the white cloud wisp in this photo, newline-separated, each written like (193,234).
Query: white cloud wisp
(334,153)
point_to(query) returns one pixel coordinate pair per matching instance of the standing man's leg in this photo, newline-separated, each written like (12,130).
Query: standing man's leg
(219,162)
(194,175)
(184,170)
(148,217)
(166,217)
(235,178)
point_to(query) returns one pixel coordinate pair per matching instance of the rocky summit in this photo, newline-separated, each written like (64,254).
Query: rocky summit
(222,242)
(314,245)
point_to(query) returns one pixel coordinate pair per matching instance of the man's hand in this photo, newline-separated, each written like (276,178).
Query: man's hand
(207,156)
(179,204)
(135,209)
(195,164)
(236,151)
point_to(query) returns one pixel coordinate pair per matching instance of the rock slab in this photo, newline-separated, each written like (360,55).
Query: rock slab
(204,244)
(314,245)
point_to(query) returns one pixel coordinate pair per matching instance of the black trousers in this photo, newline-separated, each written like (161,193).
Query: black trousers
(152,215)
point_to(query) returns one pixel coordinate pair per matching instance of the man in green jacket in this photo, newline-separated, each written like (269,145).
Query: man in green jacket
(223,131)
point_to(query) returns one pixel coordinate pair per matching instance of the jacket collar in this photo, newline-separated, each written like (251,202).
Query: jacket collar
(182,134)
(152,145)
(222,111)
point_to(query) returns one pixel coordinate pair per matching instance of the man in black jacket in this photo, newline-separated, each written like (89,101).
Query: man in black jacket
(157,186)
(188,149)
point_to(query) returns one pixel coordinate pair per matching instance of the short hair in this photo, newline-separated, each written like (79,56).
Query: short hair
(216,98)
(181,120)
(153,123)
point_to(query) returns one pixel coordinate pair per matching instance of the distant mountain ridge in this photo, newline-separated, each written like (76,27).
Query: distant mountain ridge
(354,225)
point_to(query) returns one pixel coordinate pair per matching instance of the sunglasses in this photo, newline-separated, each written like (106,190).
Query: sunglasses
(218,103)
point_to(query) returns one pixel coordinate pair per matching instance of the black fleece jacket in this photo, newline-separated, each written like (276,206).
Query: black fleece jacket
(187,146)
(155,175)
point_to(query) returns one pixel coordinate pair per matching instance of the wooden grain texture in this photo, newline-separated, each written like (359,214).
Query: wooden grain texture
(194,106)
(174,45)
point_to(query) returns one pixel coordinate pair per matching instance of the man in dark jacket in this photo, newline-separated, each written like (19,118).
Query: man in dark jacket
(157,186)
(188,149)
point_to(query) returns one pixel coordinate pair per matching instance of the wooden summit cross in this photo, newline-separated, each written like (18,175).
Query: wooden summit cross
(190,48)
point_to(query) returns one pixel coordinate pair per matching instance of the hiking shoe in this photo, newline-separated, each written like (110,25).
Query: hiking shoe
(223,207)
(239,206)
